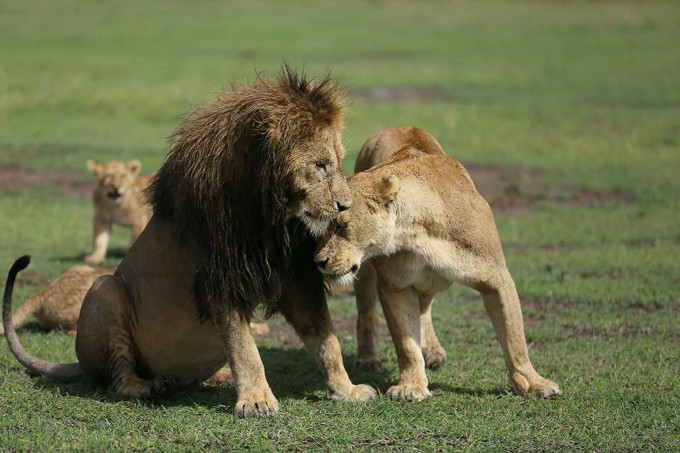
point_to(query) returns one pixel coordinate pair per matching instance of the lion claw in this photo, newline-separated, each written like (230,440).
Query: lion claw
(434,358)
(408,392)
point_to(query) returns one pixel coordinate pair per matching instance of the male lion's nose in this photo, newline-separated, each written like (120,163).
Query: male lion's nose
(342,207)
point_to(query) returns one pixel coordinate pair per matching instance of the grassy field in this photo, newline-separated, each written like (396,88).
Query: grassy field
(567,114)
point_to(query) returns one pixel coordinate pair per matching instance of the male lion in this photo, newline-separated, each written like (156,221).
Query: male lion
(118,198)
(418,218)
(242,174)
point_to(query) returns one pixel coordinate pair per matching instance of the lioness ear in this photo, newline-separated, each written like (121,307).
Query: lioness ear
(133,166)
(95,168)
(343,218)
(389,188)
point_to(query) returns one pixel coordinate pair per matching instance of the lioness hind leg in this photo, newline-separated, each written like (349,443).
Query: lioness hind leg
(366,292)
(433,352)
(502,304)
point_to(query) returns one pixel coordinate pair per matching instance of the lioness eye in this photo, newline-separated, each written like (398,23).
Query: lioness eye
(321,166)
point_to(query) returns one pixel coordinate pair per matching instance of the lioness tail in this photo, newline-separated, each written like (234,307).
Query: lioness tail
(58,371)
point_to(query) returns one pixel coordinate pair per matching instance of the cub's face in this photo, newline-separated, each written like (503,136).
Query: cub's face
(362,232)
(320,191)
(114,178)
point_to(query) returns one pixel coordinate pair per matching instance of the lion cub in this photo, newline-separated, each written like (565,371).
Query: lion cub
(422,224)
(118,198)
(58,306)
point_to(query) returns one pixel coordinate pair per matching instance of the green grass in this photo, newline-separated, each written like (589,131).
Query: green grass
(583,94)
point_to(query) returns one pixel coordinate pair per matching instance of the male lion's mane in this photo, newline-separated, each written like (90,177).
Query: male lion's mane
(226,183)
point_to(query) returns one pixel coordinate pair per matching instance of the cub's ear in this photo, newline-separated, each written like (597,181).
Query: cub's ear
(95,168)
(133,166)
(389,188)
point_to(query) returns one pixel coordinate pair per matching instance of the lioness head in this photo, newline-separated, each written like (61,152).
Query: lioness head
(115,178)
(364,231)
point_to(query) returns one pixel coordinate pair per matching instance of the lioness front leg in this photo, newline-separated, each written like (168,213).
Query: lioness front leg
(255,398)
(402,312)
(312,322)
(502,304)
(366,291)
(433,353)
(102,232)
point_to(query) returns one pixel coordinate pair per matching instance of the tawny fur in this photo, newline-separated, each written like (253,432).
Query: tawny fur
(118,198)
(58,305)
(247,180)
(418,224)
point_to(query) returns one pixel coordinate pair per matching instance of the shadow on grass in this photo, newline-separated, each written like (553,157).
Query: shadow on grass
(116,253)
(291,373)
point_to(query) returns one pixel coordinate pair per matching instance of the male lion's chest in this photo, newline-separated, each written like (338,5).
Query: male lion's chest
(405,269)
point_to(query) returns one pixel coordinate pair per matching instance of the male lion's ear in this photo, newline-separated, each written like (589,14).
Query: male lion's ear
(133,166)
(389,188)
(95,168)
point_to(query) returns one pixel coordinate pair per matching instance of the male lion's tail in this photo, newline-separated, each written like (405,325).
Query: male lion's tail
(59,371)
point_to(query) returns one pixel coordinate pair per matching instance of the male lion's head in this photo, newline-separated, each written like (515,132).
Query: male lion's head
(244,170)
(114,178)
(364,231)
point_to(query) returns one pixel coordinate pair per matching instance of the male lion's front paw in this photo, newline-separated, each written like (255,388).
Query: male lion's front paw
(434,358)
(372,365)
(262,405)
(94,259)
(534,385)
(408,392)
(359,392)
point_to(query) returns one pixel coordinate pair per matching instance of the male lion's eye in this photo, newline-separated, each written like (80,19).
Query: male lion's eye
(321,166)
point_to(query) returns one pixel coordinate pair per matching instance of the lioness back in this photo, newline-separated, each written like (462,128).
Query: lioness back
(382,145)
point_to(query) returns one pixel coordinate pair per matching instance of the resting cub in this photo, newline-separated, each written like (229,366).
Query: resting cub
(419,219)
(58,305)
(118,198)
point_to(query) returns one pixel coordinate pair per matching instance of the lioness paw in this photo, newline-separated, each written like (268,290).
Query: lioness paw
(371,365)
(359,392)
(535,385)
(434,358)
(408,392)
(250,407)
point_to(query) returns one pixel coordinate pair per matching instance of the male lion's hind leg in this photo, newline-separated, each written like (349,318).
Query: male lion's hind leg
(104,345)
(433,352)
(402,312)
(502,304)
(366,291)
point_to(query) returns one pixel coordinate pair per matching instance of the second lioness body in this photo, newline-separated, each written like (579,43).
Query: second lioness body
(419,222)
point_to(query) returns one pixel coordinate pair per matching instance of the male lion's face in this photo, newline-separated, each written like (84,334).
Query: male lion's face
(115,178)
(362,232)
(319,186)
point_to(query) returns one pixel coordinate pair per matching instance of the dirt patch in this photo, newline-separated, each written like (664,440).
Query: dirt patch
(345,329)
(29,278)
(398,93)
(511,191)
(66,182)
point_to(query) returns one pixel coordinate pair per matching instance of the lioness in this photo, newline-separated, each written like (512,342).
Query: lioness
(118,198)
(242,175)
(420,221)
